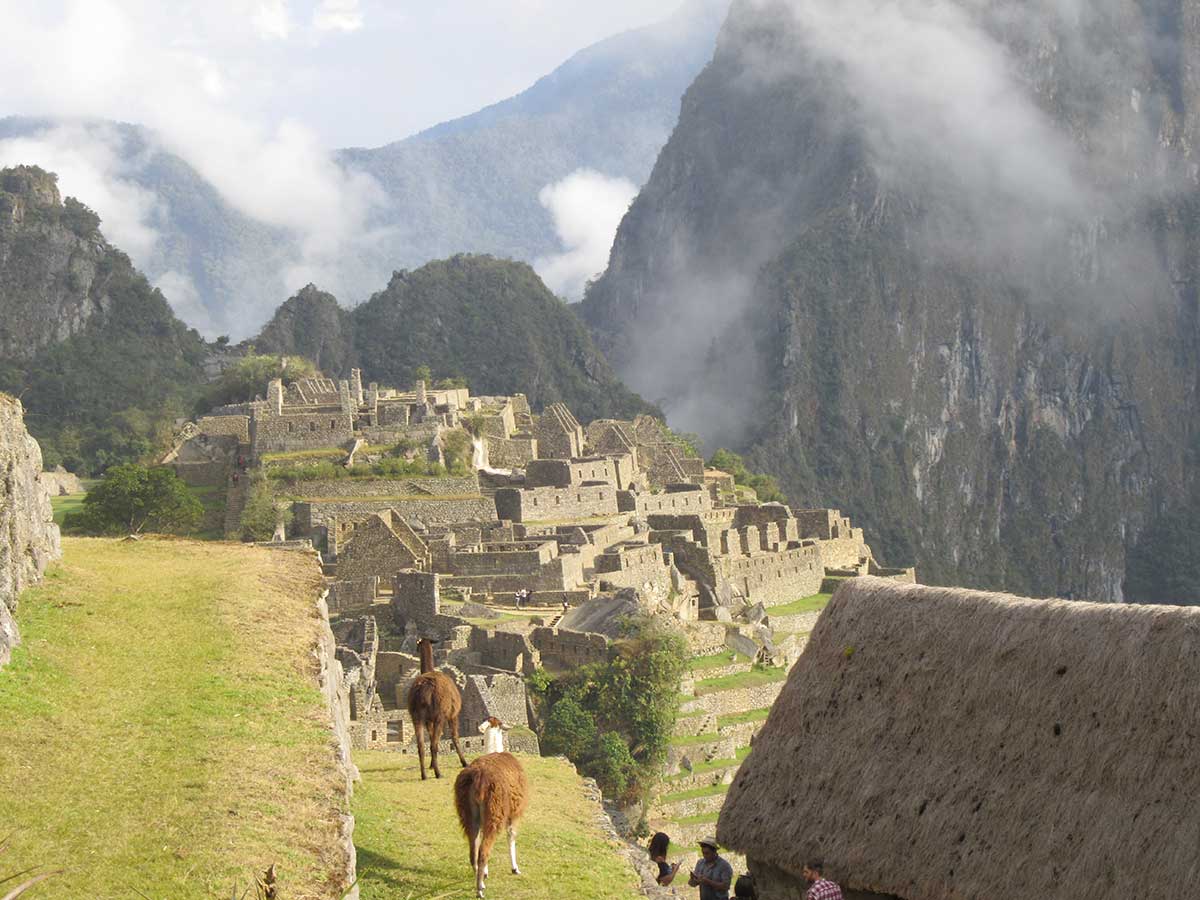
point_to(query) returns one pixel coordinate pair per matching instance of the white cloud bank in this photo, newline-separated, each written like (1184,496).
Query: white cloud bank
(587,207)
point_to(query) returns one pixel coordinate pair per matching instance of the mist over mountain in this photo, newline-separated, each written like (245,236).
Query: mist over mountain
(935,263)
(523,178)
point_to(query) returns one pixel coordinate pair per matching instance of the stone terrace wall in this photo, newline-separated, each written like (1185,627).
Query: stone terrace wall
(416,488)
(511,453)
(226,426)
(312,514)
(29,539)
(352,595)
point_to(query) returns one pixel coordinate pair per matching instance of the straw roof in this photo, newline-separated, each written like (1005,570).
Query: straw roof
(937,743)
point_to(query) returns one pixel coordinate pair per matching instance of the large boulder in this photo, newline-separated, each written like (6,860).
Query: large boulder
(29,539)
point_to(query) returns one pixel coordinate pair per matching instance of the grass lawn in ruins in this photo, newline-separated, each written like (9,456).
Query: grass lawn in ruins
(717,660)
(753,678)
(161,730)
(740,718)
(713,765)
(410,846)
(66,504)
(709,791)
(815,603)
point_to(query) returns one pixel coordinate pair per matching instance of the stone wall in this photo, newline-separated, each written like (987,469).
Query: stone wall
(736,700)
(555,504)
(352,595)
(511,453)
(29,539)
(562,473)
(61,483)
(564,649)
(672,503)
(237,427)
(774,578)
(502,696)
(416,488)
(312,514)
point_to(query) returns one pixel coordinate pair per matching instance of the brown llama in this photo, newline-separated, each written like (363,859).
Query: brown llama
(490,794)
(433,704)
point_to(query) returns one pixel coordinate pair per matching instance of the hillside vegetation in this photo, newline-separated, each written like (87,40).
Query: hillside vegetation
(410,845)
(161,730)
(490,321)
(95,353)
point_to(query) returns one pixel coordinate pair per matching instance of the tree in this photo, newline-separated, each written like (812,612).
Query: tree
(250,375)
(765,486)
(132,499)
(261,515)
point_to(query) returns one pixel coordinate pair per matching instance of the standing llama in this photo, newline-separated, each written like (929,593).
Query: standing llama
(433,704)
(490,794)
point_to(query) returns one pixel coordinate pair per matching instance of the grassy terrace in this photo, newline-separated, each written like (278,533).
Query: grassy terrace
(701,819)
(753,678)
(717,660)
(815,603)
(301,455)
(161,728)
(687,740)
(371,498)
(410,846)
(750,715)
(714,765)
(710,791)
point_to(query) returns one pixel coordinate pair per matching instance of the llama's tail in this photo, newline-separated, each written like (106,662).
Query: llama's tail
(479,797)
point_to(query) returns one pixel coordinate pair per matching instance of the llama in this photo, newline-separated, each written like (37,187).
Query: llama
(489,794)
(433,704)
(493,730)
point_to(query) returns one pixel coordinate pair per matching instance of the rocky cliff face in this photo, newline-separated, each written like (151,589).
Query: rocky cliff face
(51,263)
(29,538)
(935,263)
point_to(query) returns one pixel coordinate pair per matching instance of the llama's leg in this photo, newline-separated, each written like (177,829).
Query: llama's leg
(454,737)
(473,835)
(488,833)
(419,728)
(512,846)
(435,737)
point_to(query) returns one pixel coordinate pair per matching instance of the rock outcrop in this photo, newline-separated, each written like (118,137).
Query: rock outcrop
(29,539)
(52,263)
(962,309)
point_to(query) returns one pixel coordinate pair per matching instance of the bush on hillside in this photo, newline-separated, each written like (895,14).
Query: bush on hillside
(764,486)
(262,512)
(249,377)
(132,499)
(614,719)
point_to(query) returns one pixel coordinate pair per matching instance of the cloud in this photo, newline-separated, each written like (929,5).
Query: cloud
(338,15)
(91,168)
(587,207)
(271,19)
(103,58)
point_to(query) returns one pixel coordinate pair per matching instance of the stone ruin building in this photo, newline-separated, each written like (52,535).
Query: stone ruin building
(598,522)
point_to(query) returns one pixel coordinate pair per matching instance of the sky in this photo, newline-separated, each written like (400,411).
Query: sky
(345,72)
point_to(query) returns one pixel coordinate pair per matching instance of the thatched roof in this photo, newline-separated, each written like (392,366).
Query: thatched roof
(936,743)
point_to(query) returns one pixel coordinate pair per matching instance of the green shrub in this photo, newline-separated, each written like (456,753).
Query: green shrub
(261,513)
(132,499)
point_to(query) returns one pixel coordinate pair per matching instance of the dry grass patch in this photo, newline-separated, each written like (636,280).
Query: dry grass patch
(161,728)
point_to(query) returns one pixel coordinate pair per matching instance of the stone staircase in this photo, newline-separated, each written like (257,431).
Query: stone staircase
(235,502)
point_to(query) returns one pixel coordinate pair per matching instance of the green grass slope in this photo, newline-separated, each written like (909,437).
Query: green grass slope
(410,846)
(161,732)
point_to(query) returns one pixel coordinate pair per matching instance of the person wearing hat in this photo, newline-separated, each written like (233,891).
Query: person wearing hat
(711,874)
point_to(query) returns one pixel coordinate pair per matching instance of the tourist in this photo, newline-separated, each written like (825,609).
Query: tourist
(744,889)
(712,874)
(566,606)
(658,854)
(518,597)
(821,889)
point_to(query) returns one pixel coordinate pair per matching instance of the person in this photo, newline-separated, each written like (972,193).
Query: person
(711,874)
(658,854)
(744,888)
(566,606)
(814,871)
(518,597)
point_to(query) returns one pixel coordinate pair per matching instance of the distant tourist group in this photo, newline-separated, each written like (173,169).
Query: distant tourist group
(713,875)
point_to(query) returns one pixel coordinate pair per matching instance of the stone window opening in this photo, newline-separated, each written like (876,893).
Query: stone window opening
(394,732)
(333,424)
